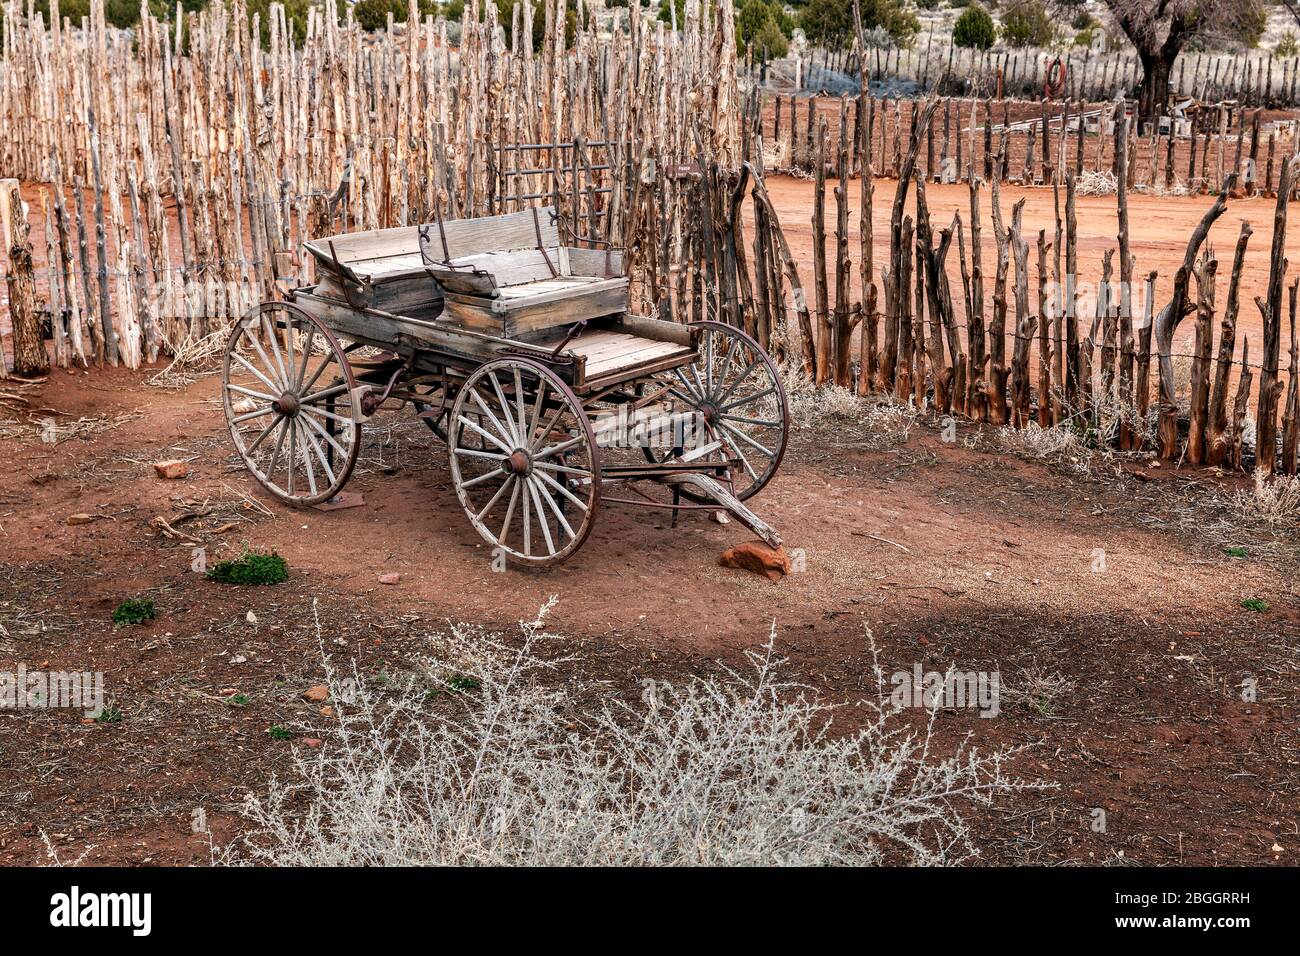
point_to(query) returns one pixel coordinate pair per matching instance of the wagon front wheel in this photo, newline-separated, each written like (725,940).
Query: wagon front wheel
(287,394)
(524,461)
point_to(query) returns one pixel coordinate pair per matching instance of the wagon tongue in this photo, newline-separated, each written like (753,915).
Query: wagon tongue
(703,484)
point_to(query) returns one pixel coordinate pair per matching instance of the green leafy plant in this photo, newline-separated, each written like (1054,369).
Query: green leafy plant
(108,714)
(1235,551)
(251,567)
(1254,604)
(974,29)
(237,700)
(133,611)
(1288,46)
(276,732)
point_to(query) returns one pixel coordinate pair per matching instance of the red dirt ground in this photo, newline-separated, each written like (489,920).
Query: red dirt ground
(955,554)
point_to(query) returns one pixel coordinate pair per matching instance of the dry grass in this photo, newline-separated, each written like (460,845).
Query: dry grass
(843,419)
(1271,502)
(191,358)
(1038,691)
(494,760)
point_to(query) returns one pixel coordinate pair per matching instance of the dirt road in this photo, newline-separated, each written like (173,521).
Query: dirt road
(1117,591)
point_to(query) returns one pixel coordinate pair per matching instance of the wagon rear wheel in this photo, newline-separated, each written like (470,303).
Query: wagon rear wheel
(287,392)
(524,461)
(736,390)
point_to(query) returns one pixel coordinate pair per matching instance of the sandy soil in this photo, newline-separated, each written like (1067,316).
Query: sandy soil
(952,553)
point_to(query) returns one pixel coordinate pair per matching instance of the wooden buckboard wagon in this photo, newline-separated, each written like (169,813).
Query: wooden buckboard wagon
(519,352)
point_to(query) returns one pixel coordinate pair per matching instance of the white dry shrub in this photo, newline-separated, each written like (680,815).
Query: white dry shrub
(1096,182)
(740,769)
(1272,501)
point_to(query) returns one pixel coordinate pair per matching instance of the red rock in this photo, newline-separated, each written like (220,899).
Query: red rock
(312,742)
(391,578)
(773,564)
(171,469)
(317,694)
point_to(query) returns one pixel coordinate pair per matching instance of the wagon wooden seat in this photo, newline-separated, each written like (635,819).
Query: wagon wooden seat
(505,274)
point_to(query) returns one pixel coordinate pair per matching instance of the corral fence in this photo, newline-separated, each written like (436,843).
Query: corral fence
(178,169)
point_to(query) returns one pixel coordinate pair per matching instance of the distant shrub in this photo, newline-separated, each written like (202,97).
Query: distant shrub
(1028,24)
(1288,46)
(974,29)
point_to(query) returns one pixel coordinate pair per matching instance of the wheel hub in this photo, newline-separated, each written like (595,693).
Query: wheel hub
(711,412)
(286,404)
(518,463)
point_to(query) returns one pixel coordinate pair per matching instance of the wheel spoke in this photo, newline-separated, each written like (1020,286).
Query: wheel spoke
(508,483)
(555,508)
(475,453)
(265,431)
(736,384)
(731,443)
(562,469)
(547,479)
(510,511)
(486,476)
(315,398)
(322,457)
(238,419)
(541,517)
(269,326)
(293,444)
(751,421)
(306,357)
(745,438)
(505,409)
(252,368)
(326,435)
(266,360)
(748,398)
(465,421)
(251,393)
(507,435)
(333,416)
(275,450)
(306,461)
(559,449)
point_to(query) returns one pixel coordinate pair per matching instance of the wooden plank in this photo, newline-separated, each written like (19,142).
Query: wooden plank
(465,237)
(546,310)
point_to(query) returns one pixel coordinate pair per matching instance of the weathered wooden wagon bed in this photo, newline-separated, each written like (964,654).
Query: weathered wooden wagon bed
(518,351)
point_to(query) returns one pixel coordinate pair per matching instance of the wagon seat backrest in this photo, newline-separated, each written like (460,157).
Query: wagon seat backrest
(391,264)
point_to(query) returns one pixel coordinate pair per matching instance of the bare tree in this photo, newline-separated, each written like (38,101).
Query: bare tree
(1161,29)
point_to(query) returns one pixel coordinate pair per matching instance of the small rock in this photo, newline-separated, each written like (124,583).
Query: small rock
(721,517)
(772,563)
(171,469)
(250,617)
(317,694)
(391,577)
(327,711)
(312,742)
(228,691)
(80,518)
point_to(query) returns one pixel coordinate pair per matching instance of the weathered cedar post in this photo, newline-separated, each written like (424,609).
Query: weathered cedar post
(1270,389)
(30,357)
